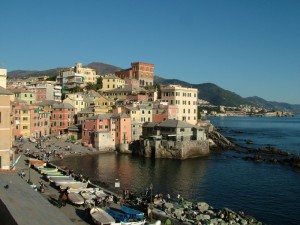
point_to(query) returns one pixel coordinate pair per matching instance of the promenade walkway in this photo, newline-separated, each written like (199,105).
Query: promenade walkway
(21,204)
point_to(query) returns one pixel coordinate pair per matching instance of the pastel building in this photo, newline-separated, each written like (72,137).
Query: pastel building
(107,131)
(110,82)
(76,76)
(162,112)
(185,99)
(143,72)
(6,154)
(43,91)
(62,117)
(24,95)
(103,104)
(3,77)
(76,100)
(22,117)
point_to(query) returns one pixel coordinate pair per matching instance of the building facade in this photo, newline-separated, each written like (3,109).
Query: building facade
(3,77)
(24,95)
(110,82)
(143,72)
(77,76)
(185,99)
(62,117)
(6,155)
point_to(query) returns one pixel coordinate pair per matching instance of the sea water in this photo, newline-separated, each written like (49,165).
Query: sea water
(269,192)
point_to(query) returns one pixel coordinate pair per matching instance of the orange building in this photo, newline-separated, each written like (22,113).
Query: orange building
(62,118)
(143,72)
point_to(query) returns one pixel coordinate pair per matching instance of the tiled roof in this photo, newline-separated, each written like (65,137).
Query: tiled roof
(63,106)
(3,91)
(175,124)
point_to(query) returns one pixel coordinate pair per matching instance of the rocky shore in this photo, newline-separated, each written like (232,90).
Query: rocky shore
(266,154)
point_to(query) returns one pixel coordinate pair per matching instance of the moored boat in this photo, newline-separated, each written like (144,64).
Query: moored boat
(75,198)
(122,217)
(101,217)
(73,185)
(48,170)
(88,195)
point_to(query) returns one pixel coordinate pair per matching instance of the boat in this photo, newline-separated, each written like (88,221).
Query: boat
(78,190)
(101,217)
(73,185)
(133,213)
(48,170)
(123,217)
(65,182)
(88,195)
(33,161)
(100,194)
(75,198)
(55,174)
(60,178)
(38,166)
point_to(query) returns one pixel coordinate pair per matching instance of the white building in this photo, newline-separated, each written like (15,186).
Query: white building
(76,76)
(3,76)
(185,99)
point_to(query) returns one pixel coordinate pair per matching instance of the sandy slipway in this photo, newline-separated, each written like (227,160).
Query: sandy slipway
(184,212)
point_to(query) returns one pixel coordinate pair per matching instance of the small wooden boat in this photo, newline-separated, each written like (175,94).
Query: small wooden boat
(55,174)
(65,182)
(48,170)
(100,217)
(88,195)
(38,166)
(60,178)
(78,190)
(73,185)
(76,198)
(33,161)
(100,194)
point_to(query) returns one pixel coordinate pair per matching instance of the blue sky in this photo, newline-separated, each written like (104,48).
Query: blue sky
(250,47)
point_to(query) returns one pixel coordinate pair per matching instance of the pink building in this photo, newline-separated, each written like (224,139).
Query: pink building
(106,131)
(123,128)
(30,121)
(62,117)
(41,94)
(162,112)
(97,123)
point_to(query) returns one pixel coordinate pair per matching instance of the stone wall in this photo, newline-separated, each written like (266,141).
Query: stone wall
(176,149)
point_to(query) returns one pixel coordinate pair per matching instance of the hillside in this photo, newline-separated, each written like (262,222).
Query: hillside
(218,96)
(101,68)
(207,91)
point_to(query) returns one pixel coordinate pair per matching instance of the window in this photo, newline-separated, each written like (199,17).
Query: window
(0,117)
(25,127)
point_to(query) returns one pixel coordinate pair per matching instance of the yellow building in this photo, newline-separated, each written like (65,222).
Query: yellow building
(6,154)
(103,104)
(76,100)
(110,82)
(24,95)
